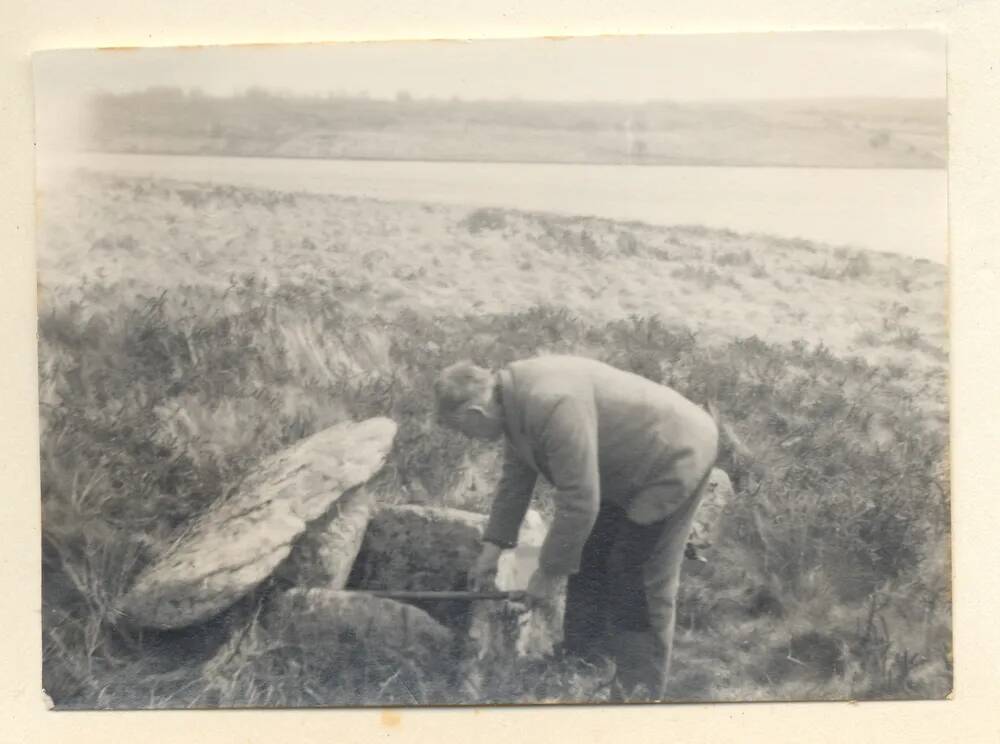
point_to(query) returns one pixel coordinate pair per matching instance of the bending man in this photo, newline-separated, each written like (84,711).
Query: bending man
(629,459)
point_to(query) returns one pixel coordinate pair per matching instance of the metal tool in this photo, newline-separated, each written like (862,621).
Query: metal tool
(466,596)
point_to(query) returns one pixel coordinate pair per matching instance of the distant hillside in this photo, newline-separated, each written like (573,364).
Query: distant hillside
(886,133)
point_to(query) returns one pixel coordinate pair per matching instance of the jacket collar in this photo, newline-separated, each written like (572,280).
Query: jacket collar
(512,417)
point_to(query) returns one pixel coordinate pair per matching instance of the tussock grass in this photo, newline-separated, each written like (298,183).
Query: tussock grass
(831,579)
(161,410)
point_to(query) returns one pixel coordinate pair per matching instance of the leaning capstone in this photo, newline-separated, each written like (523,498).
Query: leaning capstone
(239,542)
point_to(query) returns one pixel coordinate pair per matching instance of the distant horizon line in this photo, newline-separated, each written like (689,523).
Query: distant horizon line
(277,92)
(681,163)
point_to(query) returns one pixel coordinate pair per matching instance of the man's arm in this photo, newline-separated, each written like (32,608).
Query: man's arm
(513,495)
(569,439)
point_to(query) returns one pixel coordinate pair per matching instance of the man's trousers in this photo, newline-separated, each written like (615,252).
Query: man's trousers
(622,601)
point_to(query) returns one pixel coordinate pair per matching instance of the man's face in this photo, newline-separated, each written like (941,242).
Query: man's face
(475,422)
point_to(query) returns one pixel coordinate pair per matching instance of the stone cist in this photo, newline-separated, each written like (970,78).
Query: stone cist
(629,460)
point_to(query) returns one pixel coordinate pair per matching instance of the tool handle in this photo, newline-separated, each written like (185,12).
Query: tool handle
(514,596)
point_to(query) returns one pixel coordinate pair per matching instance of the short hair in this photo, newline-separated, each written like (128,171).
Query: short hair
(458,384)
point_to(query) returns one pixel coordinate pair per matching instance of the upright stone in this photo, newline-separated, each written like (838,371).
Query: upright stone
(497,632)
(238,543)
(324,555)
(709,519)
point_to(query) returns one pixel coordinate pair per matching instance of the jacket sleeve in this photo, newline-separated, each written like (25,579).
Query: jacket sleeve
(513,495)
(569,441)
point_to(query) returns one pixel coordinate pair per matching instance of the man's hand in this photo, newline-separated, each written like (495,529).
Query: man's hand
(543,589)
(483,574)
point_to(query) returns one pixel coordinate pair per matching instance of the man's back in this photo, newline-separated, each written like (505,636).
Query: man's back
(643,430)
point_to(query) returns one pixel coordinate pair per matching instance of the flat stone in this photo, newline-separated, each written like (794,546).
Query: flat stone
(337,620)
(238,543)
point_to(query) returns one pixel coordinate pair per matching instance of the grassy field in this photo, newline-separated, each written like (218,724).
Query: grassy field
(849,133)
(185,331)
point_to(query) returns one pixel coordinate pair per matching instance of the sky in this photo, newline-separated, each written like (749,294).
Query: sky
(683,67)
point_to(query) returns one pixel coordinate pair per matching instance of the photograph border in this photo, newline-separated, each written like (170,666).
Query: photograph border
(971,713)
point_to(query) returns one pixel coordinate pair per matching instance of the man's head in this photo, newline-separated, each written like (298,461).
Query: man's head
(467,401)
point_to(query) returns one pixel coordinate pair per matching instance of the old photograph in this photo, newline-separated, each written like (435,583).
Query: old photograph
(445,373)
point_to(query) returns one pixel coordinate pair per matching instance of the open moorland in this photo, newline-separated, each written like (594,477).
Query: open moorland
(186,331)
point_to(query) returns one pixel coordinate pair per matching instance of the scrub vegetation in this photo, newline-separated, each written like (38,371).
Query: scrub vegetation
(186,331)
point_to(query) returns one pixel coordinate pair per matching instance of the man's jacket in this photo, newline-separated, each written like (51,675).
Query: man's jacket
(597,434)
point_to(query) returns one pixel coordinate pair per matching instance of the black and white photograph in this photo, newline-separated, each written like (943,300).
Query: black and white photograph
(604,370)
